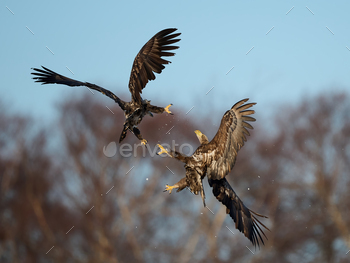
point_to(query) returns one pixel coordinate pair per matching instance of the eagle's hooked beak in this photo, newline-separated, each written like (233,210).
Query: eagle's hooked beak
(198,133)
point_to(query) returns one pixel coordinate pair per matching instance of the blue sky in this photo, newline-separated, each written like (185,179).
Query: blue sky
(292,56)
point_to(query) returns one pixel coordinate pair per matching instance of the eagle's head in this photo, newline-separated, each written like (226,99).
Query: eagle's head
(145,101)
(201,137)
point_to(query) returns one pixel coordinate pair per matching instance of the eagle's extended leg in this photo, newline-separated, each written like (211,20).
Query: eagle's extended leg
(139,136)
(159,110)
(167,109)
(162,150)
(174,154)
(180,185)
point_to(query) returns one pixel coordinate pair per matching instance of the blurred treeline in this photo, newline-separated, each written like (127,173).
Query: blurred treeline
(63,200)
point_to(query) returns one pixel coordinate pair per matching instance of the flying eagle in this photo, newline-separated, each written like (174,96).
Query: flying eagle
(148,60)
(216,159)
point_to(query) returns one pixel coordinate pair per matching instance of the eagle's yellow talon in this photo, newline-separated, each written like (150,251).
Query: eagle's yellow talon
(162,150)
(144,142)
(169,188)
(167,109)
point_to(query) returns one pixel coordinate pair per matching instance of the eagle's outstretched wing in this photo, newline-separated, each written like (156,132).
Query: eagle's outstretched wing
(245,219)
(223,148)
(47,76)
(149,60)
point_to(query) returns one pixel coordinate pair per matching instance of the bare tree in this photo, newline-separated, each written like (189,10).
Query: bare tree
(63,200)
(29,209)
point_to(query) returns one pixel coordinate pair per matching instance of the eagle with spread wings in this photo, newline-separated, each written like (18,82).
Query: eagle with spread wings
(147,62)
(216,159)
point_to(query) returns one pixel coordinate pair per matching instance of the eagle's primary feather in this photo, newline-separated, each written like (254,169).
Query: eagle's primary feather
(150,60)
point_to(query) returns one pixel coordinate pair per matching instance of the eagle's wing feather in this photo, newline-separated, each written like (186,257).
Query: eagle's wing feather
(47,76)
(149,60)
(245,219)
(221,152)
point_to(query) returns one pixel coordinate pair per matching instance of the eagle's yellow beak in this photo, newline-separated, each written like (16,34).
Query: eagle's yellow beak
(198,133)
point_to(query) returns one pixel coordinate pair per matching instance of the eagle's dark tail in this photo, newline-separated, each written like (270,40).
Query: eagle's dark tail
(245,219)
(123,134)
